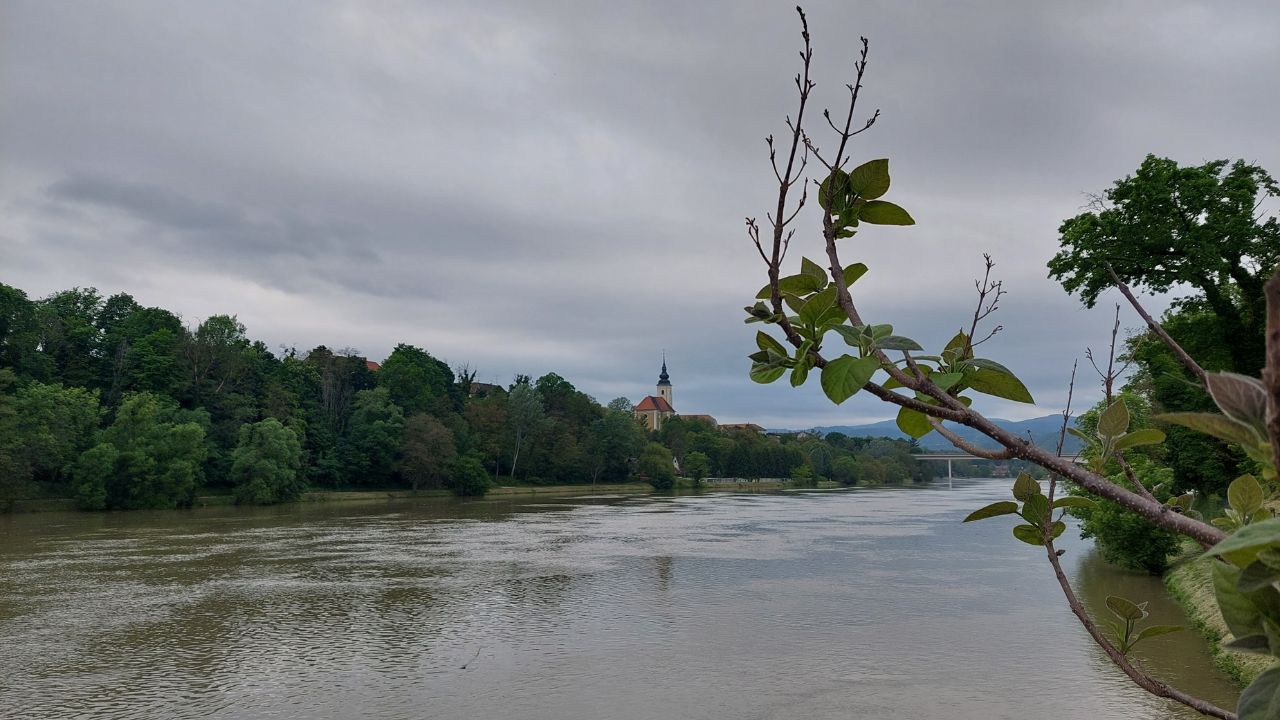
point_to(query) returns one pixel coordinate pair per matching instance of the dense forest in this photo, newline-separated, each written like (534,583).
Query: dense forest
(123,406)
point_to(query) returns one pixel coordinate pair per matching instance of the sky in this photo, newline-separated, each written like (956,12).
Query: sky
(562,187)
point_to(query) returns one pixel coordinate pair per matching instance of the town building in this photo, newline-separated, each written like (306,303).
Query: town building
(653,410)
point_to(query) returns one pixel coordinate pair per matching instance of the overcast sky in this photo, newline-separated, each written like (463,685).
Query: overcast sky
(534,187)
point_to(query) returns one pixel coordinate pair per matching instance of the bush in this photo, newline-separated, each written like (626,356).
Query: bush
(1124,537)
(468,478)
(656,467)
(265,464)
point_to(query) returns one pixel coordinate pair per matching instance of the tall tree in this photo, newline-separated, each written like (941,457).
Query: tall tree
(265,464)
(419,382)
(369,452)
(428,452)
(524,414)
(1168,225)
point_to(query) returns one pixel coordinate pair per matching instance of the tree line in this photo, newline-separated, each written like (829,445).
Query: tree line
(123,406)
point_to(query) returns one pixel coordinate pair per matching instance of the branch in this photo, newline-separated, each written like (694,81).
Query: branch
(1178,352)
(969,447)
(1146,682)
(1062,433)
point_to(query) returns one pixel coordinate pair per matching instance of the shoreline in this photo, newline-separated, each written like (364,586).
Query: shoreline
(1189,582)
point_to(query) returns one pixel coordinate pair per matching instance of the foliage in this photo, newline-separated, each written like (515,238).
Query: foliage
(371,449)
(265,464)
(418,382)
(428,452)
(1124,537)
(468,478)
(697,465)
(656,466)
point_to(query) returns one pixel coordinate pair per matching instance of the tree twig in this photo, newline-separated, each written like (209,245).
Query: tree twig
(1172,344)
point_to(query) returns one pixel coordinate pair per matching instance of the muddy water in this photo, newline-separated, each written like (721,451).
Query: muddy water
(872,603)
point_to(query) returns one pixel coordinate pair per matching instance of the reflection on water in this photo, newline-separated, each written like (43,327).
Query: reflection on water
(872,603)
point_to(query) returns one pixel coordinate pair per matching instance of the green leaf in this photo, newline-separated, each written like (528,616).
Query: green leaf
(1270,556)
(946,381)
(1245,495)
(816,305)
(1251,644)
(1074,501)
(1219,426)
(845,375)
(1029,534)
(853,272)
(1257,576)
(1036,509)
(765,342)
(1056,530)
(870,180)
(1025,487)
(853,336)
(986,365)
(1004,507)
(1125,609)
(882,212)
(913,423)
(1242,547)
(833,193)
(1145,436)
(1237,610)
(1154,630)
(799,374)
(1080,434)
(1240,398)
(1114,421)
(1261,700)
(813,270)
(765,374)
(897,342)
(998,384)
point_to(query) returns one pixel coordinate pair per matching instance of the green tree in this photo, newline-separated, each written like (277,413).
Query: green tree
(15,464)
(20,334)
(428,452)
(265,464)
(468,478)
(697,465)
(69,336)
(614,440)
(418,382)
(371,448)
(149,457)
(524,415)
(1169,225)
(56,425)
(656,466)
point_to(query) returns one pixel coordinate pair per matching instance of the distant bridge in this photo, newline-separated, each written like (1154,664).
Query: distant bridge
(1074,457)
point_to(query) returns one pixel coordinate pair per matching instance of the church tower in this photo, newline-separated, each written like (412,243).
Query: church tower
(664,383)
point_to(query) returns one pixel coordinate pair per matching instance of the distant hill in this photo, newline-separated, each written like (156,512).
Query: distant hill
(1043,431)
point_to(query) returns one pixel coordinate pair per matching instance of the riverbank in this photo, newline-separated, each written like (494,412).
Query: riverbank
(1190,583)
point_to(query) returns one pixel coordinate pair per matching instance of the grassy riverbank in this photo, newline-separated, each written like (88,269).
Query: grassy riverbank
(1190,583)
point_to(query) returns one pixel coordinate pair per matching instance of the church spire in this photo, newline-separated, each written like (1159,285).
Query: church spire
(663,378)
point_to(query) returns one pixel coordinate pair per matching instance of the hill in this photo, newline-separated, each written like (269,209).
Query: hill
(1043,431)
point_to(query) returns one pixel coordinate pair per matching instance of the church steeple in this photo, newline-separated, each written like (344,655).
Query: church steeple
(664,380)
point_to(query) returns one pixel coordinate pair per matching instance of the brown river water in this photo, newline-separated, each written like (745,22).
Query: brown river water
(867,603)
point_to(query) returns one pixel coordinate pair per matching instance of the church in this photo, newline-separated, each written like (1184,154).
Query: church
(655,409)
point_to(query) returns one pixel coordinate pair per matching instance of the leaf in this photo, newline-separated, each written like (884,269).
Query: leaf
(882,212)
(833,193)
(897,342)
(1074,501)
(946,381)
(1240,398)
(1145,436)
(1056,530)
(1029,534)
(799,374)
(816,305)
(1257,576)
(913,423)
(1004,507)
(1219,426)
(1261,700)
(1126,609)
(765,342)
(765,374)
(1080,434)
(813,270)
(998,384)
(1242,547)
(880,331)
(986,365)
(1270,556)
(1251,644)
(1154,630)
(1025,486)
(1036,509)
(870,180)
(1237,610)
(1245,495)
(845,375)
(853,272)
(1114,421)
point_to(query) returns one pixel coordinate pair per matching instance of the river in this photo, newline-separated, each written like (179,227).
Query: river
(870,603)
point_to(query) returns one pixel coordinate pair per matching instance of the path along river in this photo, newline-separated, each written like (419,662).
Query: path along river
(871,603)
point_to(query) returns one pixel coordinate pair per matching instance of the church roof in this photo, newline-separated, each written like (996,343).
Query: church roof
(654,402)
(663,378)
